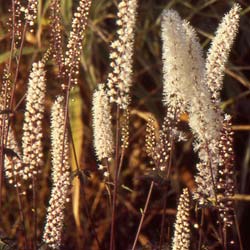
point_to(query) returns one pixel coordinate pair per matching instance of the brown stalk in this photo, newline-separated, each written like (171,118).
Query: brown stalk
(143,214)
(4,135)
(200,229)
(34,194)
(238,229)
(112,232)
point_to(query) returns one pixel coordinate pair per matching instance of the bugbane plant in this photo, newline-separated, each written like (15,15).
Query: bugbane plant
(220,49)
(182,234)
(217,58)
(55,213)
(102,125)
(183,69)
(31,13)
(13,161)
(60,177)
(15,22)
(121,56)
(226,181)
(159,142)
(74,45)
(214,72)
(12,158)
(57,35)
(59,161)
(33,116)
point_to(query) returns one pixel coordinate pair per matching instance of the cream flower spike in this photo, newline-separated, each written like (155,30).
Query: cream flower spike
(55,214)
(120,78)
(76,35)
(31,13)
(219,51)
(184,88)
(33,116)
(174,52)
(60,177)
(103,137)
(181,240)
(60,163)
(13,164)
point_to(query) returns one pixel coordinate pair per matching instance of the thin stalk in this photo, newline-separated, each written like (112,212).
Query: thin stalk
(13,35)
(163,220)
(143,214)
(19,103)
(5,135)
(200,229)
(34,211)
(238,230)
(121,161)
(112,232)
(224,237)
(18,65)
(21,214)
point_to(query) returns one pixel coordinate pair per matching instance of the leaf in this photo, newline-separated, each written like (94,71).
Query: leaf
(11,153)
(77,129)
(26,51)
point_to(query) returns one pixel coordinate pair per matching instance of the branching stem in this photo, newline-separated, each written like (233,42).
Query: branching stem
(143,214)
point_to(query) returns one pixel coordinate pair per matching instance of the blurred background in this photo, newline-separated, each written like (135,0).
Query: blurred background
(88,213)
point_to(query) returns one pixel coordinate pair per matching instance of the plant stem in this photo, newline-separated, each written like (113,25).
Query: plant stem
(143,214)
(224,229)
(4,136)
(112,233)
(121,161)
(163,219)
(13,34)
(238,229)
(200,229)
(34,211)
(20,208)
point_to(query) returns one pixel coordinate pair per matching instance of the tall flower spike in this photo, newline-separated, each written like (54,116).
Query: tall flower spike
(102,125)
(74,46)
(55,213)
(226,183)
(120,78)
(60,177)
(56,34)
(125,129)
(174,51)
(215,65)
(12,161)
(158,143)
(220,48)
(15,23)
(31,13)
(33,116)
(12,156)
(181,240)
(184,88)
(60,163)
